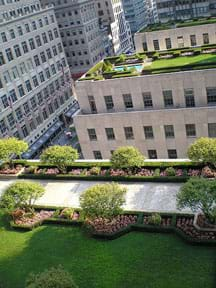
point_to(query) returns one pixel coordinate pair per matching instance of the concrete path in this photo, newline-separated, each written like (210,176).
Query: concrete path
(139,196)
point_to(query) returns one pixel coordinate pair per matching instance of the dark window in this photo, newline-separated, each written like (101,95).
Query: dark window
(92,104)
(12,95)
(168,99)
(24,131)
(21,90)
(212,129)
(97,154)
(26,108)
(36,60)
(3,127)
(169,131)
(148,131)
(172,153)
(92,134)
(152,154)
(28,85)
(127,101)
(38,41)
(110,133)
(190,130)
(24,47)
(156,45)
(35,81)
(147,99)
(9,54)
(109,102)
(2,61)
(193,40)
(4,100)
(11,120)
(19,114)
(17,50)
(189,98)
(44,38)
(211,95)
(168,43)
(205,38)
(32,44)
(145,46)
(129,133)
(43,57)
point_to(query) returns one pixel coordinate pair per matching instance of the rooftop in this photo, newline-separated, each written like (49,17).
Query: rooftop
(178,24)
(154,62)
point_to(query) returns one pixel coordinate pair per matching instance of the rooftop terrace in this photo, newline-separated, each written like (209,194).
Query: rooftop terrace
(178,24)
(154,62)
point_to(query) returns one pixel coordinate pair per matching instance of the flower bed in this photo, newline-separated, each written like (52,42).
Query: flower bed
(6,170)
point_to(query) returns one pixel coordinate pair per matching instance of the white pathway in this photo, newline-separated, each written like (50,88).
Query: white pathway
(139,196)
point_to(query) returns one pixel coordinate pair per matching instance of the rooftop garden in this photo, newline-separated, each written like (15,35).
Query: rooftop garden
(153,62)
(178,24)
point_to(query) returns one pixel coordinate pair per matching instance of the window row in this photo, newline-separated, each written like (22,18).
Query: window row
(190,131)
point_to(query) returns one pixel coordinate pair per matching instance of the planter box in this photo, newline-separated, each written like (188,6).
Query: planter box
(202,228)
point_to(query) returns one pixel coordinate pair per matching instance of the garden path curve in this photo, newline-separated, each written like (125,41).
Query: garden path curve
(139,196)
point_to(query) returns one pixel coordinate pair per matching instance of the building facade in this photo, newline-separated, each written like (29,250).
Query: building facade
(190,36)
(111,15)
(35,82)
(136,14)
(169,10)
(82,38)
(160,114)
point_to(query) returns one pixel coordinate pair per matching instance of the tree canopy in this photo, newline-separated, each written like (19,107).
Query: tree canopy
(12,146)
(199,194)
(127,157)
(103,200)
(204,150)
(59,156)
(21,194)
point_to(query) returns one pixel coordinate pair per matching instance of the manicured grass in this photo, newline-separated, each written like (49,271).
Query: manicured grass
(184,60)
(136,260)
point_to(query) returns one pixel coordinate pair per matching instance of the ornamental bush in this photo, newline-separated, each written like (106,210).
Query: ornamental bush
(204,150)
(127,157)
(103,200)
(155,219)
(51,278)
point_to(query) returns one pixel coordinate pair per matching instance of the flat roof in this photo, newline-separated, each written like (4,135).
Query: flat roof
(177,24)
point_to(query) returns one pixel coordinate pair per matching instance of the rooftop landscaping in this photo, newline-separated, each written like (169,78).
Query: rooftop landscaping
(153,62)
(178,24)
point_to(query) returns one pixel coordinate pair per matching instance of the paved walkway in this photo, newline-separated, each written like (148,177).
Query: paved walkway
(139,196)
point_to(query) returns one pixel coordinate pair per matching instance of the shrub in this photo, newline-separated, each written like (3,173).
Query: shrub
(157,172)
(103,200)
(56,213)
(95,170)
(67,213)
(170,171)
(199,194)
(127,157)
(51,278)
(155,219)
(21,194)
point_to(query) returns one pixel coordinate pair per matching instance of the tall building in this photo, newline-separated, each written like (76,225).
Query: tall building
(35,82)
(169,10)
(111,15)
(136,14)
(82,38)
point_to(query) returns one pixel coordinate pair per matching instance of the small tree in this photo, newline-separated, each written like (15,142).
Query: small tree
(12,147)
(59,156)
(51,278)
(104,200)
(21,194)
(199,194)
(203,149)
(127,157)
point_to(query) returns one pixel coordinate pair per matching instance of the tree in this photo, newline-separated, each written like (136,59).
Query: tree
(12,147)
(103,200)
(199,194)
(126,157)
(51,278)
(203,149)
(59,156)
(21,194)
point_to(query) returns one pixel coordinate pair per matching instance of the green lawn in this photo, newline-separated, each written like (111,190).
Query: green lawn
(184,60)
(136,260)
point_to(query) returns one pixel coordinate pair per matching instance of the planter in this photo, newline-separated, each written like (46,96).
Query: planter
(201,225)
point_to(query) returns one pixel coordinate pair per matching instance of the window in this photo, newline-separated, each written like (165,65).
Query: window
(12,34)
(34,26)
(92,104)
(148,131)
(32,44)
(53,69)
(92,134)
(26,108)
(168,99)
(4,101)
(38,119)
(54,50)
(41,76)
(33,102)
(129,133)
(9,54)
(38,41)
(169,131)
(127,101)
(180,41)
(19,29)
(168,43)
(21,90)
(44,38)
(15,72)
(190,130)
(28,85)
(50,107)
(156,45)
(50,35)
(44,112)
(109,102)
(40,98)
(172,153)
(97,154)
(47,73)
(43,57)
(212,130)
(27,27)
(189,98)
(56,33)
(2,61)
(49,54)
(152,154)
(31,124)
(35,81)
(12,95)
(205,38)
(145,46)
(24,47)
(211,95)
(22,68)
(4,37)
(19,114)
(3,127)
(36,60)
(147,99)
(11,120)
(193,40)
(17,51)
(24,131)
(110,133)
